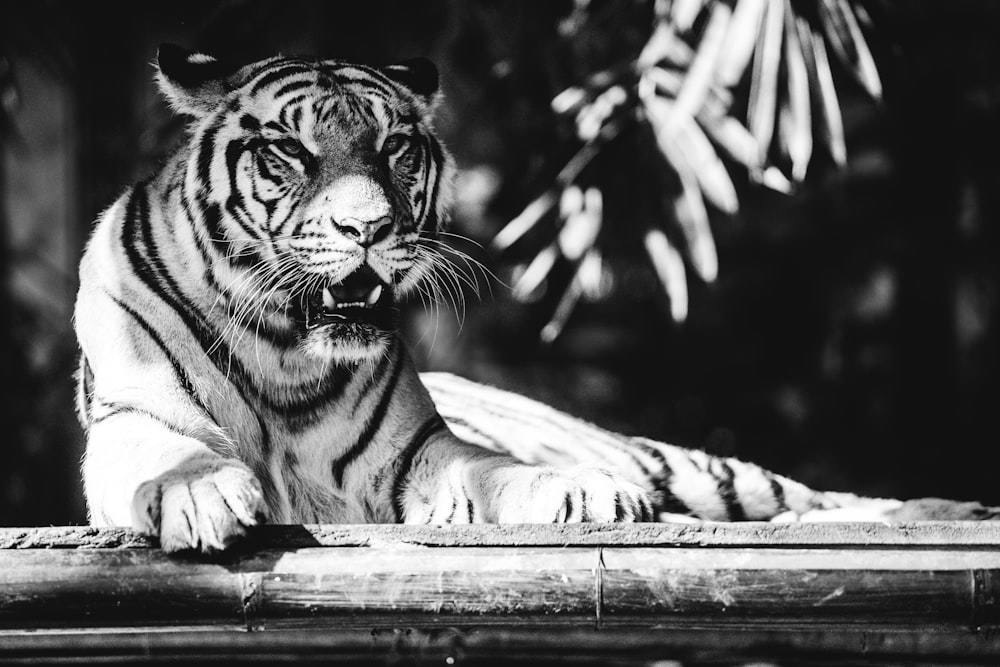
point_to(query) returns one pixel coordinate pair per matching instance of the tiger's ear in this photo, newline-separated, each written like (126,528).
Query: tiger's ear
(193,83)
(419,75)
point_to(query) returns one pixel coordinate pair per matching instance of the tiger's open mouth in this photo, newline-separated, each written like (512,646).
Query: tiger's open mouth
(359,299)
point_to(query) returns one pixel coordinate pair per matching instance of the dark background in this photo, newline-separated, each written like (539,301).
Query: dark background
(850,340)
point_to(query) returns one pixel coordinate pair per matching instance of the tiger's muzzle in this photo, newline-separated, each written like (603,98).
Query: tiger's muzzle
(346,237)
(360,299)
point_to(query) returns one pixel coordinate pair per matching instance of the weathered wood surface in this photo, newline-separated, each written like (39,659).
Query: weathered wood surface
(921,589)
(707,534)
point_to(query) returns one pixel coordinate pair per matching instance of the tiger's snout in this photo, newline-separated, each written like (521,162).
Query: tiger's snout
(355,207)
(365,232)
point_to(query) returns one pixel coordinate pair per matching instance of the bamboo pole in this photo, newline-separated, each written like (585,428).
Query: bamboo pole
(917,589)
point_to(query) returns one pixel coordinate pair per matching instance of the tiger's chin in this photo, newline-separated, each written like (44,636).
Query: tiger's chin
(347,343)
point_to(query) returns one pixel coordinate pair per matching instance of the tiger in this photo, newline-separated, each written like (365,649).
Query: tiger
(240,353)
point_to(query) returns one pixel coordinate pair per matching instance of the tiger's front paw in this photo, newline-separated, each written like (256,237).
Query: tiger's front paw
(204,505)
(546,495)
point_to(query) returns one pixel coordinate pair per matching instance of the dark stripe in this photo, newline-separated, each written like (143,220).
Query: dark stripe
(454,508)
(293,107)
(193,215)
(269,168)
(727,492)
(291,87)
(380,85)
(211,217)
(376,375)
(206,152)
(224,244)
(494,443)
(372,424)
(300,416)
(668,501)
(405,461)
(778,490)
(182,377)
(568,502)
(84,390)
(292,482)
(296,114)
(662,476)
(437,154)
(115,409)
(275,73)
(261,467)
(428,194)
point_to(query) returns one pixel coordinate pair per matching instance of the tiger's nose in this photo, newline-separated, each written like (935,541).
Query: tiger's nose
(365,232)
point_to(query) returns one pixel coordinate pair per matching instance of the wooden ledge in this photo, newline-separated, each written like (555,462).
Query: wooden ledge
(923,589)
(705,534)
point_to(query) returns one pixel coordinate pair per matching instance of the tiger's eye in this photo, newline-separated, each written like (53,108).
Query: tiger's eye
(394,143)
(290,147)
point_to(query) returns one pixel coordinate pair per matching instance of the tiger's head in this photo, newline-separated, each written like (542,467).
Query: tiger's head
(317,188)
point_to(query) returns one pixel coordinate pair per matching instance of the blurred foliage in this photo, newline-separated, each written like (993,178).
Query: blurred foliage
(849,337)
(750,77)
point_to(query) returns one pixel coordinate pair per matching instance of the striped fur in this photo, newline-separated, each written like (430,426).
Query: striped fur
(240,361)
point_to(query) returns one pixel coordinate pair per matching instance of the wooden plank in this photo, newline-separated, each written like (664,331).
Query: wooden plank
(748,534)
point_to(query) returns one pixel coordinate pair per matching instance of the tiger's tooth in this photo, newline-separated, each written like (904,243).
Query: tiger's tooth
(374,295)
(328,301)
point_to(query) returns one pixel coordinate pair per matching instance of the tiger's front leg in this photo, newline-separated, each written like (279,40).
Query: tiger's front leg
(139,472)
(468,484)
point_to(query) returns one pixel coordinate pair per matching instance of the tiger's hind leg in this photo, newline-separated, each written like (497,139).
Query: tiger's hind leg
(683,484)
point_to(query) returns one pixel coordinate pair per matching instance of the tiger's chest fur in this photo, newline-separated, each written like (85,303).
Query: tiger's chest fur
(301,435)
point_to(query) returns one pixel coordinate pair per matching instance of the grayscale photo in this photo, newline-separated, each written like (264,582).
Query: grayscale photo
(631,332)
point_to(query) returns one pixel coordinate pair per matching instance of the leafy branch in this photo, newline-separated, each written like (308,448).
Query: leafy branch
(687,85)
